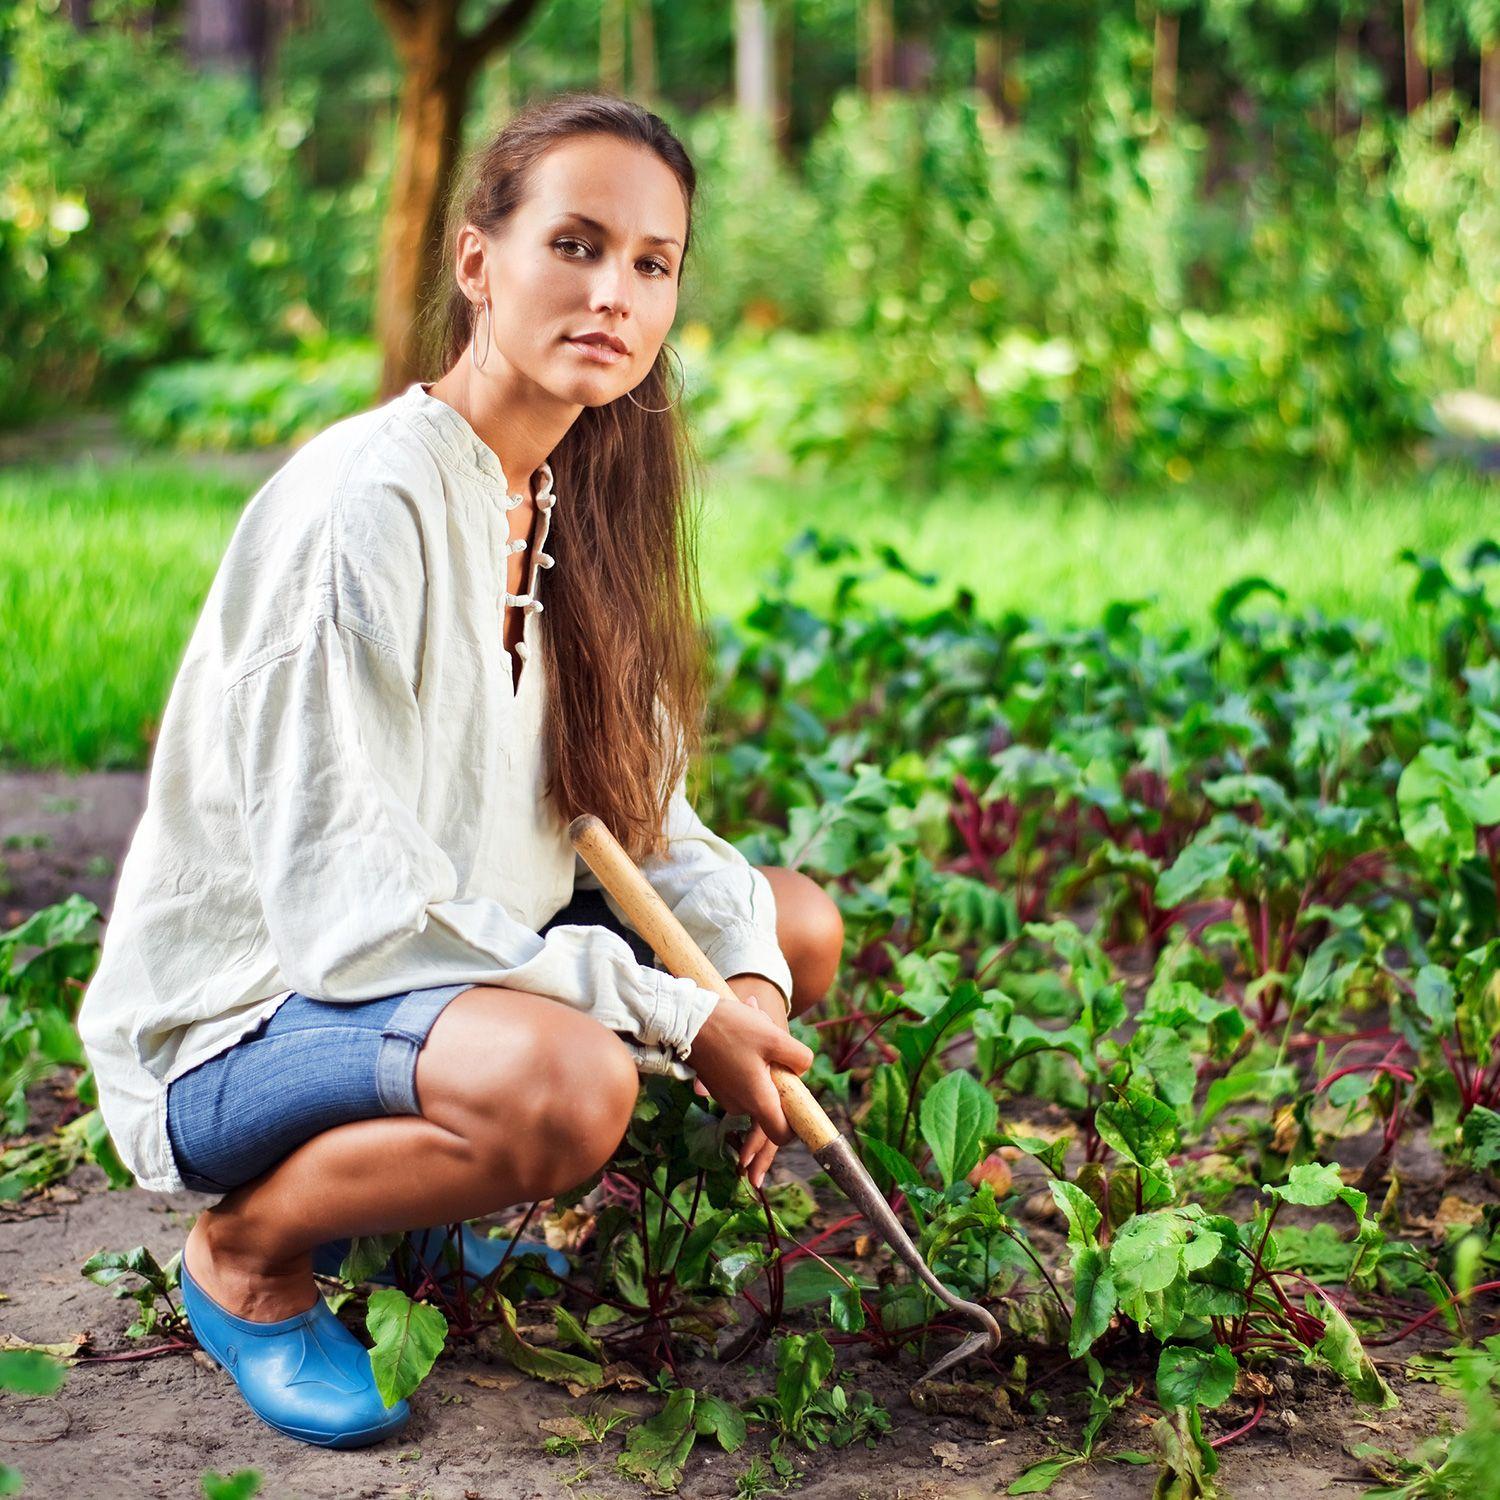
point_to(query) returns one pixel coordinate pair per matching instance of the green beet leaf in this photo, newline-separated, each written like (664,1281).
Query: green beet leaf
(713,1417)
(408,1338)
(1093,1299)
(803,1363)
(1345,1355)
(1039,1477)
(1481,1137)
(1081,1212)
(1146,1255)
(368,1256)
(1200,864)
(31,1372)
(1186,1376)
(555,1365)
(846,1310)
(1139,1126)
(657,1450)
(1316,1185)
(958,1119)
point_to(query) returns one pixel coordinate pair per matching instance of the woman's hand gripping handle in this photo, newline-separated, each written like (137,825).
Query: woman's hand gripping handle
(745,1060)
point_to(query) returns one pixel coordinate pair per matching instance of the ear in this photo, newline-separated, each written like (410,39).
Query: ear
(468,267)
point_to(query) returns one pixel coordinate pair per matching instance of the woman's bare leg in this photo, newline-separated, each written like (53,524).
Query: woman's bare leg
(521,1098)
(809,932)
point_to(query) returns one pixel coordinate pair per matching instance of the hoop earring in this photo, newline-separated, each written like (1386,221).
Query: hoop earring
(474,356)
(681,386)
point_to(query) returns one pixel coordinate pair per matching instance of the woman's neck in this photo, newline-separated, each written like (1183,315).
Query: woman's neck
(515,418)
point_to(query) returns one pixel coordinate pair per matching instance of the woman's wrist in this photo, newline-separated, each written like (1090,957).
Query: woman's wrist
(764,994)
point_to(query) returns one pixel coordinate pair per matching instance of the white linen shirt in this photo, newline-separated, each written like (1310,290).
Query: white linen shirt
(346,793)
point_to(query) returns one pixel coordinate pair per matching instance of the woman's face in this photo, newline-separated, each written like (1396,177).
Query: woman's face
(595,249)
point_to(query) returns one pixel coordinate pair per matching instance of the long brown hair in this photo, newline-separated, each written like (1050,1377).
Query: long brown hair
(624,648)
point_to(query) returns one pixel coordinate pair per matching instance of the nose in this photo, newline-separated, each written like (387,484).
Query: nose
(611,290)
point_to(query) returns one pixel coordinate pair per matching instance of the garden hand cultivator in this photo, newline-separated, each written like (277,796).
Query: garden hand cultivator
(654,920)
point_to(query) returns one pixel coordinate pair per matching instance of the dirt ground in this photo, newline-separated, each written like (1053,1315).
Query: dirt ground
(151,1427)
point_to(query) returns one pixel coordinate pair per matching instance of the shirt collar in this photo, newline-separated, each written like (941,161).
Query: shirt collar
(453,434)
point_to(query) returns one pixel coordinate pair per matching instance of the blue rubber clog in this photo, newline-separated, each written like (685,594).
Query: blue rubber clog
(307,1376)
(481,1254)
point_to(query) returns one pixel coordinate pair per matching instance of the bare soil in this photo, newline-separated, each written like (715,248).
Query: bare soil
(151,1426)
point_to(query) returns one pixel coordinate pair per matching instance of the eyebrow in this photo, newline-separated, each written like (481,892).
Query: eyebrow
(598,228)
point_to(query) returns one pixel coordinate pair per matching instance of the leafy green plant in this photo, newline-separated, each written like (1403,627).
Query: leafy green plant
(44,964)
(27,1373)
(154,1283)
(807,1409)
(657,1450)
(1039,1477)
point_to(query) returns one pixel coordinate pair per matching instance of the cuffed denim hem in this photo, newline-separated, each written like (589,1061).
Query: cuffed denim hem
(401,1038)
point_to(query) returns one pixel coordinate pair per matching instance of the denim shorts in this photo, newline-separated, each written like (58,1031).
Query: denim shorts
(314,1064)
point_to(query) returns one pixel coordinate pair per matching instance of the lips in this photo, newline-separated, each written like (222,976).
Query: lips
(604,340)
(596,352)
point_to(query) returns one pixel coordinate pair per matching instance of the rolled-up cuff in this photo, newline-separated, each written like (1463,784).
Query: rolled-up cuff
(744,948)
(659,1061)
(680,1008)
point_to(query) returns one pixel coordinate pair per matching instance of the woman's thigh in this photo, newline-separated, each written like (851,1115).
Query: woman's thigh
(507,1069)
(310,1066)
(316,1064)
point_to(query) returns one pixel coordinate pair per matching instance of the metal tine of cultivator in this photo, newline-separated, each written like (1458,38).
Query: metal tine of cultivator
(837,1158)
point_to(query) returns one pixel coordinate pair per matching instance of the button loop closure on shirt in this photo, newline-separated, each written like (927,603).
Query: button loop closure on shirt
(529,601)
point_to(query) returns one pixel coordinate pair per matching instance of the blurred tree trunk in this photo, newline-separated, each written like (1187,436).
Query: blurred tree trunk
(642,51)
(913,64)
(754,62)
(781,83)
(877,54)
(1416,69)
(229,35)
(81,14)
(439,64)
(989,60)
(1164,67)
(1489,83)
(1345,67)
(612,46)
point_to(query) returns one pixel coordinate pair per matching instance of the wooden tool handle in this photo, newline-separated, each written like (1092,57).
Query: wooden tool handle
(674,946)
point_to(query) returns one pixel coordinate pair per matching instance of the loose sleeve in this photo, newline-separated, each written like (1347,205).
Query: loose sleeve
(325,757)
(723,901)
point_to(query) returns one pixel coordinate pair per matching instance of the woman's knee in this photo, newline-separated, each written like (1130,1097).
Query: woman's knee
(528,1082)
(810,932)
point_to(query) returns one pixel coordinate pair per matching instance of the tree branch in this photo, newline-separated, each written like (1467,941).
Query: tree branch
(399,15)
(497,33)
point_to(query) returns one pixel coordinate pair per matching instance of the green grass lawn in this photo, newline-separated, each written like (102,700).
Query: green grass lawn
(103,569)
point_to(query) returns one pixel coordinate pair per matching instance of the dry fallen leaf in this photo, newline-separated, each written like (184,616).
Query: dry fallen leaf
(494,1382)
(568,1230)
(950,1456)
(1454,1211)
(624,1377)
(67,1351)
(987,1404)
(566,1427)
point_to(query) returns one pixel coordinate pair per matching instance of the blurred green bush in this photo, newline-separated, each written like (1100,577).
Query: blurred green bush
(149,212)
(254,403)
(924,289)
